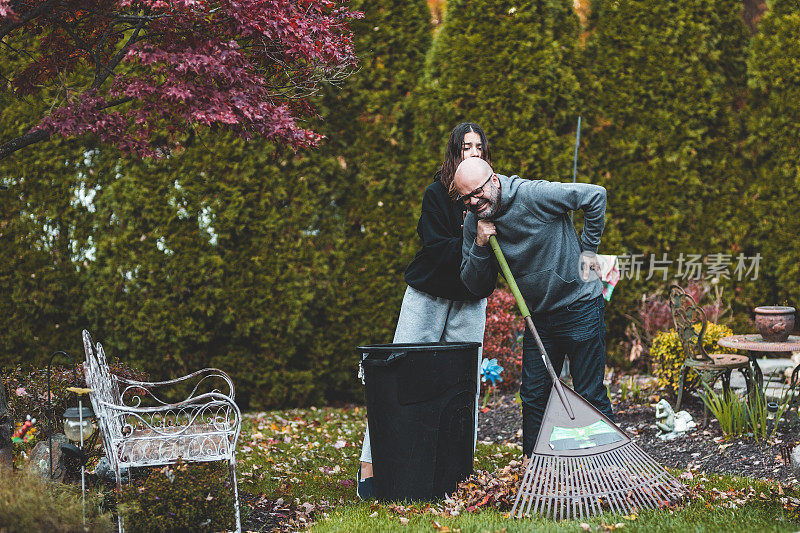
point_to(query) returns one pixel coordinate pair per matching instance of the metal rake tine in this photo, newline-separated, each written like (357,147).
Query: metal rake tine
(526,474)
(536,480)
(572,488)
(558,507)
(592,474)
(631,491)
(552,494)
(542,478)
(580,480)
(584,481)
(523,494)
(612,482)
(545,488)
(534,465)
(661,474)
(630,500)
(568,489)
(656,492)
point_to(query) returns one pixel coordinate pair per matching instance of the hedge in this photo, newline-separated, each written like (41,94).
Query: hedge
(275,265)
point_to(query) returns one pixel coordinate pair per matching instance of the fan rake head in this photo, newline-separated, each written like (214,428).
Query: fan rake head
(625,480)
(585,466)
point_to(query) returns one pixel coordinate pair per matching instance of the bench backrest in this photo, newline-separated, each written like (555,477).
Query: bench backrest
(685,314)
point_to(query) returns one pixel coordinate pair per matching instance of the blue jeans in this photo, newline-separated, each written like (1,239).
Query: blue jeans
(577,330)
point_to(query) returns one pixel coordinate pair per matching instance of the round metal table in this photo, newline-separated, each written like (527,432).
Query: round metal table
(754,344)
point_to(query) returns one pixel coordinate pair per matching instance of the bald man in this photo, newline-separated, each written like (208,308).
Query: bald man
(555,271)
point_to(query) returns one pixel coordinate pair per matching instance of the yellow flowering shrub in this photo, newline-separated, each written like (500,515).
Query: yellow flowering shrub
(667,355)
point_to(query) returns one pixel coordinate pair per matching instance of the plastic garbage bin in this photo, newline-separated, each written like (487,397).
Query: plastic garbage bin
(421,414)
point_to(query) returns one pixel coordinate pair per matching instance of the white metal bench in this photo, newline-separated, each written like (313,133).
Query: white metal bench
(140,428)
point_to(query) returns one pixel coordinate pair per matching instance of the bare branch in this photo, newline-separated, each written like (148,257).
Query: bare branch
(102,74)
(34,136)
(8,26)
(21,142)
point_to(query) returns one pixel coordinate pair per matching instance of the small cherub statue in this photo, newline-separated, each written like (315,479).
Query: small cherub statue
(664,411)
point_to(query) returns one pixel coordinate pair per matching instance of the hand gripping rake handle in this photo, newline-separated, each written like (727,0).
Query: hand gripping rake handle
(523,308)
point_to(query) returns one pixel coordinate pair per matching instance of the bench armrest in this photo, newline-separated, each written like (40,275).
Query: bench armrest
(205,374)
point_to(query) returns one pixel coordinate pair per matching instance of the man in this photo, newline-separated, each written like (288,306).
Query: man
(555,272)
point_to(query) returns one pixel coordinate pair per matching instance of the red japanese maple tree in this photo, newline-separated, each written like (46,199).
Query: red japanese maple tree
(131,70)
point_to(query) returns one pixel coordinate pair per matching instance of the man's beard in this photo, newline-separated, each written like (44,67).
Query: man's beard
(493,201)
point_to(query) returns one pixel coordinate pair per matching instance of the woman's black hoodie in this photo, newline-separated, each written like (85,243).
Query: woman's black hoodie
(436,267)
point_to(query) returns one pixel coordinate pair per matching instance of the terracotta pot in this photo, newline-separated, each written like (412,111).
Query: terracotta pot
(774,322)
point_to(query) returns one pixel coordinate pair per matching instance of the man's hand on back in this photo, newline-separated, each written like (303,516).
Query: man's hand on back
(485,229)
(590,266)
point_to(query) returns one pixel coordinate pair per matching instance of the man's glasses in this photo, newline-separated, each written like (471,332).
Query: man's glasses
(466,198)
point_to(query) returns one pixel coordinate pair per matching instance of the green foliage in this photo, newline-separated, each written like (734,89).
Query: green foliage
(274,265)
(668,355)
(268,264)
(662,83)
(744,416)
(28,503)
(772,151)
(181,497)
(510,67)
(730,411)
(630,389)
(27,391)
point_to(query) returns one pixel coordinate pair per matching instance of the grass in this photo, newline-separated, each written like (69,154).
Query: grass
(28,503)
(696,517)
(311,456)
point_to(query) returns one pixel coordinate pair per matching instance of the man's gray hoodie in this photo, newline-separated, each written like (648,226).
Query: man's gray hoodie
(539,241)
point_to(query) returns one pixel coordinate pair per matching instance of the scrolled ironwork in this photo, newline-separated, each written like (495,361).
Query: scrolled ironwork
(201,427)
(685,314)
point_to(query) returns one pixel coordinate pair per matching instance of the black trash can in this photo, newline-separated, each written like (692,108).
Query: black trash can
(421,414)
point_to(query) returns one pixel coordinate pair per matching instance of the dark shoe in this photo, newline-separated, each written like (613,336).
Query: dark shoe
(365,489)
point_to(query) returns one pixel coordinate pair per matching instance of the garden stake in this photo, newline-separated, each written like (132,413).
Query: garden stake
(583,464)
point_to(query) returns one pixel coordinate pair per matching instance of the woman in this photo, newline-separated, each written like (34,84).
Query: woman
(437,307)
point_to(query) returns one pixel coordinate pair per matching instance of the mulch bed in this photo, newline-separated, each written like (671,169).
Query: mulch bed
(701,448)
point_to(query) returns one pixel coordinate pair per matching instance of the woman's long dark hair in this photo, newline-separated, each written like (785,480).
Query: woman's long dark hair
(453,153)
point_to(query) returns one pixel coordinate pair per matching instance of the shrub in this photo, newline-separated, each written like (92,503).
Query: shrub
(27,391)
(510,67)
(27,503)
(180,497)
(773,153)
(668,355)
(654,316)
(503,338)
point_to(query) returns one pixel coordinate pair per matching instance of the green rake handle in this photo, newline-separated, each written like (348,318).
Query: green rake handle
(526,314)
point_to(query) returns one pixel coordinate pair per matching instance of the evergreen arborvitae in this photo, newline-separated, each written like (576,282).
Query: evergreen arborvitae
(366,160)
(269,264)
(43,234)
(773,152)
(510,67)
(662,81)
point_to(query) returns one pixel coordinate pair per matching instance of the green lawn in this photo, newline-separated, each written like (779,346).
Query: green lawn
(309,458)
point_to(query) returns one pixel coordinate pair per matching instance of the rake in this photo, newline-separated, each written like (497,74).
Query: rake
(583,464)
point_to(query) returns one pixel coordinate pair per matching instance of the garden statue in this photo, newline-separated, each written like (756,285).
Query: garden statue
(673,424)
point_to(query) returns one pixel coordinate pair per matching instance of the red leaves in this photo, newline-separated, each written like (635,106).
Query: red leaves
(502,339)
(6,12)
(247,66)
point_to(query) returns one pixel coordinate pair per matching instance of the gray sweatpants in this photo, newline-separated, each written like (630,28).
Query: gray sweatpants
(426,318)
